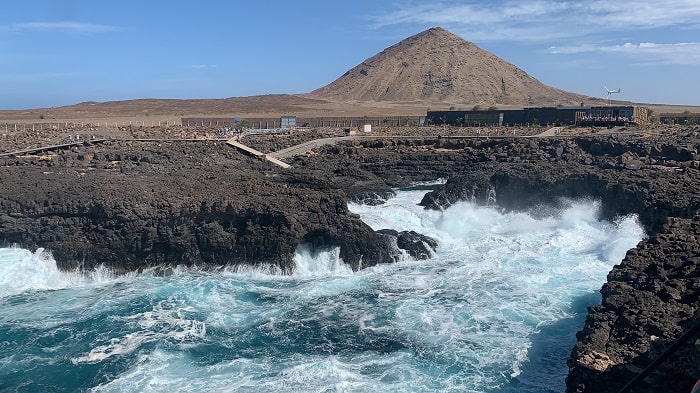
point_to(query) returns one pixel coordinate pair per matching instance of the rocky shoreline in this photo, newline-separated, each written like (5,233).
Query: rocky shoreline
(136,204)
(132,205)
(653,295)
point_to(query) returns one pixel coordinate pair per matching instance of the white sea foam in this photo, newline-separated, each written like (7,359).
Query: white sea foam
(22,270)
(162,371)
(324,262)
(162,323)
(469,317)
(514,273)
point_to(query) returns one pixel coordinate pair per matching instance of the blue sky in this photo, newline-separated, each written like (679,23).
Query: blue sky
(55,53)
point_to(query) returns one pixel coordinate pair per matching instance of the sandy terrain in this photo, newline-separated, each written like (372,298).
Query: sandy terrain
(433,70)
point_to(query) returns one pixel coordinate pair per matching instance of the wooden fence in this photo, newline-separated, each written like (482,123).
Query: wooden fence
(64,125)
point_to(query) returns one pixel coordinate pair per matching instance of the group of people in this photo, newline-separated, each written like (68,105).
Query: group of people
(227,132)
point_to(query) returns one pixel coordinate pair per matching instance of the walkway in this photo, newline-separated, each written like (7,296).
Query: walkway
(308,146)
(51,147)
(275,157)
(554,131)
(257,154)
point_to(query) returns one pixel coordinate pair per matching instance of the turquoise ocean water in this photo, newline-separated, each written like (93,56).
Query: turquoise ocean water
(495,310)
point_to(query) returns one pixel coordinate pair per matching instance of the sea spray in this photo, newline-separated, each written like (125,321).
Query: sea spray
(325,261)
(495,309)
(22,270)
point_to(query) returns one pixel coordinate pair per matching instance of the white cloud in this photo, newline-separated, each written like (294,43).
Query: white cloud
(687,53)
(543,20)
(63,26)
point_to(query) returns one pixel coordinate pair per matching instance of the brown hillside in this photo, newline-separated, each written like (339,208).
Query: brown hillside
(434,69)
(436,66)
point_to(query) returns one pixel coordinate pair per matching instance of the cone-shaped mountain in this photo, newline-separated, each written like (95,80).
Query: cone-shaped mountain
(438,66)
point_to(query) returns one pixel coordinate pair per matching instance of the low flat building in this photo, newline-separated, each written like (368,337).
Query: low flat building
(679,118)
(540,116)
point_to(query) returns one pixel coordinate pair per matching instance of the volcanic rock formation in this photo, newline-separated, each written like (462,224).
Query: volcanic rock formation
(438,66)
(433,68)
(653,295)
(135,204)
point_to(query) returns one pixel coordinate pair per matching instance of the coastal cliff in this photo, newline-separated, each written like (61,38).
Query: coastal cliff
(134,205)
(653,296)
(130,205)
